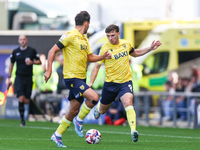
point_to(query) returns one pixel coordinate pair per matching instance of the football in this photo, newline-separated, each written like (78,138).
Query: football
(93,136)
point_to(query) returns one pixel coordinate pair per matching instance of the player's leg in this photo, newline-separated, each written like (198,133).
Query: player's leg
(103,108)
(91,100)
(131,115)
(80,89)
(126,97)
(66,122)
(21,109)
(109,93)
(23,87)
(20,95)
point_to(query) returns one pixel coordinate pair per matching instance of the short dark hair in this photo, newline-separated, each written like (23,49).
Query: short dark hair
(82,17)
(112,27)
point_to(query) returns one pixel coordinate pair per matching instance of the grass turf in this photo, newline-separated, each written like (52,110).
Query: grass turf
(36,136)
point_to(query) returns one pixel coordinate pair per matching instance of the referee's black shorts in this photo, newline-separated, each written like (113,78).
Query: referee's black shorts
(23,86)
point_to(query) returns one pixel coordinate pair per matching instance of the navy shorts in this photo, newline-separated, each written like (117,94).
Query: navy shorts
(111,90)
(23,86)
(77,87)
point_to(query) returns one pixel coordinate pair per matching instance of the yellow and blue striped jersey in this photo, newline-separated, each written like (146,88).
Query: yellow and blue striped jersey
(75,51)
(117,69)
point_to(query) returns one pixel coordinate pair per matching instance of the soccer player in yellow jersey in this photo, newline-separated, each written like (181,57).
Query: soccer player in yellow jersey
(76,52)
(118,75)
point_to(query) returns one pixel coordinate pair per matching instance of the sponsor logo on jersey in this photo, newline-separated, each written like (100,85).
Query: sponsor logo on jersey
(83,47)
(17,54)
(121,54)
(124,45)
(63,37)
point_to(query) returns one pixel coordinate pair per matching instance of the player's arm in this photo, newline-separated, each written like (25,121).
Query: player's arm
(37,62)
(94,73)
(142,51)
(10,72)
(50,60)
(94,58)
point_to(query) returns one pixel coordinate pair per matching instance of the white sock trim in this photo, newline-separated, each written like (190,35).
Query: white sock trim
(58,134)
(128,107)
(79,119)
(65,120)
(86,106)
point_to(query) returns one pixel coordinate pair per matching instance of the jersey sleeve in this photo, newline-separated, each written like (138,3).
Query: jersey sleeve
(12,57)
(36,55)
(66,39)
(102,51)
(131,49)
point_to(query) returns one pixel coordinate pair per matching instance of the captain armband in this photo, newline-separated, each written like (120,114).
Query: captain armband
(132,50)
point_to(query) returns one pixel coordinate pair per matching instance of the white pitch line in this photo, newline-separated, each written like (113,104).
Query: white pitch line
(112,132)
(145,141)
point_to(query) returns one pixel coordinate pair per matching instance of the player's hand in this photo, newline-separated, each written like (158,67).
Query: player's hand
(90,85)
(28,61)
(8,82)
(155,45)
(107,55)
(47,75)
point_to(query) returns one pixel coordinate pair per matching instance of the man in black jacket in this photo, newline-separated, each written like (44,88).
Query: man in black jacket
(25,57)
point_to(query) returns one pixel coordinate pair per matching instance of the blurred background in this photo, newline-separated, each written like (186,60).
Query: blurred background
(174,65)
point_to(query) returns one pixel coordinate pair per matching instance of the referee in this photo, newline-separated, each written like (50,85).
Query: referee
(25,57)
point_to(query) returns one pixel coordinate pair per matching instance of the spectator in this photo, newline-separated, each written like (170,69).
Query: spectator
(167,102)
(195,88)
(181,100)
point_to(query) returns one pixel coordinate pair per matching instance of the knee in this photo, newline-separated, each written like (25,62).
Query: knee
(94,100)
(26,101)
(21,99)
(95,97)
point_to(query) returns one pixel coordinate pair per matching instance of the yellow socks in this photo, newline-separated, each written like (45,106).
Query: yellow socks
(84,111)
(131,117)
(63,126)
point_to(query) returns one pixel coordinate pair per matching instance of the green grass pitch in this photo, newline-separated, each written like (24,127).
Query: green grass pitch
(36,136)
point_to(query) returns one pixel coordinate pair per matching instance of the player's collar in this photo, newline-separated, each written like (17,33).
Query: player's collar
(23,48)
(76,31)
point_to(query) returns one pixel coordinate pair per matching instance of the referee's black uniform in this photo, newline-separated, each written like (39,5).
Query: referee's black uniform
(23,81)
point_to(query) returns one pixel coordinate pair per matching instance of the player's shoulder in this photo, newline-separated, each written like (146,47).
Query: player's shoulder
(106,44)
(123,41)
(31,48)
(67,35)
(16,50)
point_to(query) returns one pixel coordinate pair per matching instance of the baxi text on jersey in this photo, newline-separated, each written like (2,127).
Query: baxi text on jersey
(122,54)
